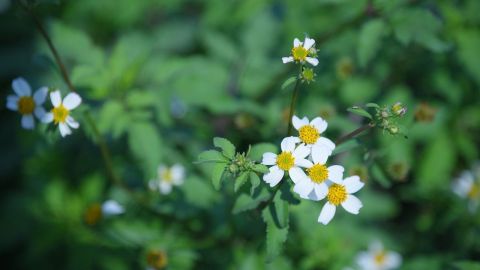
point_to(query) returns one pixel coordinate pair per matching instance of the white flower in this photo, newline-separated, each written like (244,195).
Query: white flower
(168,177)
(60,113)
(377,258)
(25,104)
(111,208)
(341,193)
(309,132)
(302,51)
(467,187)
(314,185)
(288,160)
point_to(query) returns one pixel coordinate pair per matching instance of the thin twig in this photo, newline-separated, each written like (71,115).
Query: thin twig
(354,133)
(294,102)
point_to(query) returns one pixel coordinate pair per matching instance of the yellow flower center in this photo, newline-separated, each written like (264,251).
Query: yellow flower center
(26,105)
(318,173)
(157,259)
(299,53)
(380,258)
(337,194)
(308,134)
(60,114)
(167,175)
(93,214)
(285,161)
(474,191)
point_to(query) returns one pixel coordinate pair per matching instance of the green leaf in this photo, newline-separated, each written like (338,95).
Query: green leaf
(370,40)
(260,168)
(359,111)
(346,146)
(145,145)
(240,181)
(257,150)
(288,82)
(245,202)
(217,175)
(275,237)
(467,265)
(254,181)
(211,156)
(281,210)
(379,176)
(227,147)
(372,105)
(468,43)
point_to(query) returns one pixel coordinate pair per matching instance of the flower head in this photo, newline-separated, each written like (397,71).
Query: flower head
(290,159)
(377,258)
(467,185)
(340,193)
(157,259)
(112,208)
(25,104)
(398,109)
(302,52)
(60,114)
(309,132)
(168,177)
(307,75)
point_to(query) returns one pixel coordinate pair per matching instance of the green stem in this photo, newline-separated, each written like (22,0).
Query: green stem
(354,133)
(293,102)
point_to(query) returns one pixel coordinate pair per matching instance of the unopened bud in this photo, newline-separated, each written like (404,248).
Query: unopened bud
(398,109)
(393,130)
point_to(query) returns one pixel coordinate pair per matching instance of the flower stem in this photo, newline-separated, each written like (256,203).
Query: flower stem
(354,133)
(293,102)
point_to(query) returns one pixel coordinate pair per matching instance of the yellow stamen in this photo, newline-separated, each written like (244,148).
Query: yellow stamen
(474,191)
(26,105)
(285,161)
(318,173)
(299,53)
(60,114)
(337,194)
(167,175)
(380,258)
(157,259)
(308,134)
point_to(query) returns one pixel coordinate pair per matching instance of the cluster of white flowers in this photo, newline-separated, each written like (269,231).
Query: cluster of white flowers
(305,157)
(28,106)
(167,177)
(467,186)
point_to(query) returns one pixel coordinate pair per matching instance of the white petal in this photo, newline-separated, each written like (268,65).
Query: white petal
(40,95)
(165,187)
(296,174)
(288,144)
(320,153)
(153,184)
(178,174)
(28,121)
(308,43)
(327,142)
(12,102)
(274,176)
(269,158)
(393,260)
(39,113)
(353,184)
(56,98)
(64,129)
(301,151)
(112,207)
(287,59)
(312,61)
(335,173)
(321,190)
(296,42)
(328,211)
(352,204)
(47,118)
(298,123)
(303,188)
(320,124)
(21,87)
(72,123)
(305,163)
(71,101)
(366,260)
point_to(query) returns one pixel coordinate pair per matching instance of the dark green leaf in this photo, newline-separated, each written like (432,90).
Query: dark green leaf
(288,82)
(254,181)
(259,149)
(370,40)
(280,213)
(240,181)
(346,146)
(245,202)
(275,237)
(217,175)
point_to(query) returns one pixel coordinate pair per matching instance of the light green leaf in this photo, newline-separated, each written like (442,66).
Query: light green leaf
(245,202)
(257,150)
(254,181)
(145,145)
(260,168)
(370,40)
(281,210)
(360,111)
(275,237)
(288,82)
(467,265)
(346,146)
(240,181)
(228,149)
(211,156)
(217,175)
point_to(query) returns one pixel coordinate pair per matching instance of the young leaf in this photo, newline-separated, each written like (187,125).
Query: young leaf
(359,111)
(211,156)
(217,175)
(260,168)
(240,180)
(280,212)
(372,105)
(245,202)
(288,82)
(275,236)
(254,181)
(228,149)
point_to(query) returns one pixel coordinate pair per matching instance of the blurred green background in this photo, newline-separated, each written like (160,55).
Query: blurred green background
(162,78)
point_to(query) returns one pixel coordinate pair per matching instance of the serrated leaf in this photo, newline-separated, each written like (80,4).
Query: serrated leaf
(275,237)
(240,181)
(245,202)
(211,156)
(260,168)
(360,111)
(257,150)
(217,175)
(228,149)
(254,181)
(288,82)
(280,213)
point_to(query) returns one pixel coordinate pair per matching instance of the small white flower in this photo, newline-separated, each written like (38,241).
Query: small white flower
(314,186)
(60,113)
(168,177)
(309,132)
(341,193)
(302,51)
(467,187)
(111,208)
(377,258)
(290,159)
(25,104)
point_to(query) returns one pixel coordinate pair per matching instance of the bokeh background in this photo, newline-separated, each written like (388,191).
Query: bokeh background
(162,78)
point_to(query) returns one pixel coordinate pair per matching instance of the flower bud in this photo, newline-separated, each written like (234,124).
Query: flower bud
(393,130)
(307,75)
(398,109)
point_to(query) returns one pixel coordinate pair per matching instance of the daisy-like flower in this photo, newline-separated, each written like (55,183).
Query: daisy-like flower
(302,52)
(467,187)
(168,177)
(377,258)
(60,114)
(314,184)
(290,159)
(112,208)
(309,132)
(25,104)
(340,193)
(95,212)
